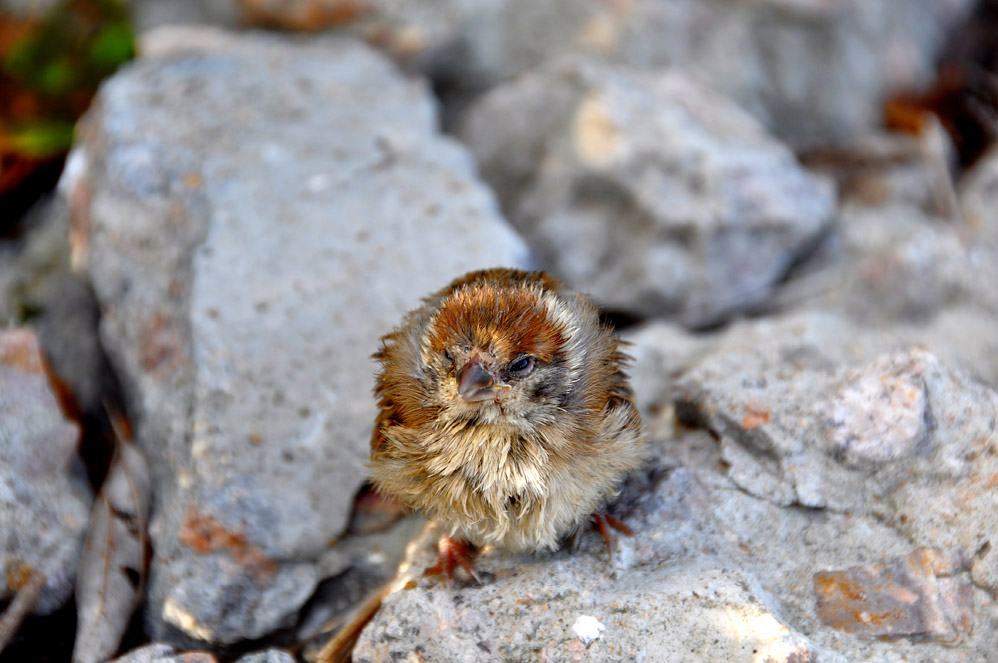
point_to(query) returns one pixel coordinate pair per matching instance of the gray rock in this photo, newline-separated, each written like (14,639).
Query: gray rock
(811,411)
(892,452)
(976,351)
(44,497)
(813,72)
(711,573)
(650,191)
(39,287)
(919,277)
(28,8)
(164,653)
(661,352)
(979,194)
(146,654)
(924,594)
(671,597)
(897,264)
(379,554)
(149,14)
(790,551)
(256,213)
(67,323)
(647,617)
(267,656)
(979,202)
(912,267)
(430,36)
(30,264)
(893,168)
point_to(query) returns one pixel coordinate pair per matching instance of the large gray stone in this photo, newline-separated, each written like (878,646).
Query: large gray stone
(256,213)
(894,264)
(712,573)
(30,264)
(661,352)
(885,167)
(38,287)
(671,595)
(44,497)
(28,8)
(920,266)
(979,194)
(891,453)
(651,191)
(164,653)
(814,71)
(268,656)
(979,203)
(817,411)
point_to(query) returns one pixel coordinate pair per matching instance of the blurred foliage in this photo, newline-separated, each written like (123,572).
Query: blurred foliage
(49,71)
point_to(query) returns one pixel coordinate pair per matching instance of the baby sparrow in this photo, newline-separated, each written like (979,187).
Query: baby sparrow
(506,417)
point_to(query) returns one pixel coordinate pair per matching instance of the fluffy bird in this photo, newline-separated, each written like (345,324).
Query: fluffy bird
(505,414)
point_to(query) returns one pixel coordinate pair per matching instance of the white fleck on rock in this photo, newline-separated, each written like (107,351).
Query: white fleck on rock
(588,629)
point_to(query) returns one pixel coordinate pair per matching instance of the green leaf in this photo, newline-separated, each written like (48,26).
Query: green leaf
(112,47)
(41,139)
(56,78)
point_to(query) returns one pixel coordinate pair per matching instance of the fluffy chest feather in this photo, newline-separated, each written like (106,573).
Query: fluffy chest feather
(497,462)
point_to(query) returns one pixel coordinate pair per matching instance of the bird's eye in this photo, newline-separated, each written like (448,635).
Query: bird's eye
(521,366)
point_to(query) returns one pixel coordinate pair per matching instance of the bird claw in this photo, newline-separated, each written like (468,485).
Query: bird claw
(453,553)
(600,522)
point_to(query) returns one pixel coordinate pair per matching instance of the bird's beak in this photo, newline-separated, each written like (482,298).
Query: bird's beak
(475,382)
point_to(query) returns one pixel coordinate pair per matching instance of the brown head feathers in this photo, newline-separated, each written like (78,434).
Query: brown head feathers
(506,320)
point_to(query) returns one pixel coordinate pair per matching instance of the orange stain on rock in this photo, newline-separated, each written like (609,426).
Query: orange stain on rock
(196,657)
(18,575)
(160,344)
(755,416)
(19,349)
(205,534)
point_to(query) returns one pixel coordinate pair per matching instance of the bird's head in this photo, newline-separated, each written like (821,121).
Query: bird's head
(500,351)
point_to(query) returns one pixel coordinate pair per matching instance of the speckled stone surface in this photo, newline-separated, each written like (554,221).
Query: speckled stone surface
(44,496)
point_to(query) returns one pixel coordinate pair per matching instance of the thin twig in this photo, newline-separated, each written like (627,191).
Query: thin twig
(23,603)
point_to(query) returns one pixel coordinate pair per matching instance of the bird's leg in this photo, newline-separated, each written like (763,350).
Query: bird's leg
(619,526)
(600,522)
(453,553)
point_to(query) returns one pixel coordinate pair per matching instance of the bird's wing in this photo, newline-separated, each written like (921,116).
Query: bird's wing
(388,411)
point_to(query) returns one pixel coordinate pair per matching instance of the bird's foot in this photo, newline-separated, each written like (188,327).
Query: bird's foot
(602,522)
(453,554)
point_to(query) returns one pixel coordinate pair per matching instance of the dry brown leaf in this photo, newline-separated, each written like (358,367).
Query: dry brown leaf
(27,593)
(112,567)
